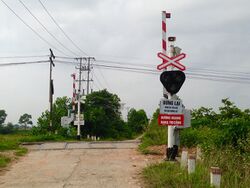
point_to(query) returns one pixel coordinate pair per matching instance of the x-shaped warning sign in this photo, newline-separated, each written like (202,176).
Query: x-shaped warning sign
(171,61)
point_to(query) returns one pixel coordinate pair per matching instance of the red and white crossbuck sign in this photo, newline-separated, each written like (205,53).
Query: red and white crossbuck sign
(171,61)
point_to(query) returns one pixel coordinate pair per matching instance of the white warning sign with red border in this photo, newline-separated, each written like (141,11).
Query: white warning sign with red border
(171,119)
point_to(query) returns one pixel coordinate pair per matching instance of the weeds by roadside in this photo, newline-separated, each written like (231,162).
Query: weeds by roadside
(170,175)
(224,138)
(4,161)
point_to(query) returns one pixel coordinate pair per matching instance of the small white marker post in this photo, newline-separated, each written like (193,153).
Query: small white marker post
(191,164)
(215,176)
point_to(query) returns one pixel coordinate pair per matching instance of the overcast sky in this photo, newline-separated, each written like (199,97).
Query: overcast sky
(214,35)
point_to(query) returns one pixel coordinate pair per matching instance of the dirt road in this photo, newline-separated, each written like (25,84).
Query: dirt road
(104,165)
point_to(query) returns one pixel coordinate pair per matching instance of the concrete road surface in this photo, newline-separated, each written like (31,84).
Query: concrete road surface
(80,164)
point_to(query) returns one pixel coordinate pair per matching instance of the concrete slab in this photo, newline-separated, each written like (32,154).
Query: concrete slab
(54,145)
(80,145)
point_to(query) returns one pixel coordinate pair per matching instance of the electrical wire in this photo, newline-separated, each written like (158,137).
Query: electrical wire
(61,29)
(44,27)
(152,66)
(99,83)
(212,77)
(104,79)
(21,57)
(33,30)
(188,76)
(23,63)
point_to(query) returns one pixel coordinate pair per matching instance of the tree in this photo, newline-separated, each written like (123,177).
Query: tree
(25,120)
(103,116)
(7,129)
(60,109)
(137,120)
(3,116)
(229,110)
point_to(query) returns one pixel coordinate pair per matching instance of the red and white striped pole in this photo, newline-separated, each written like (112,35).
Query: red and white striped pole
(164,31)
(164,39)
(170,150)
(74,91)
(164,34)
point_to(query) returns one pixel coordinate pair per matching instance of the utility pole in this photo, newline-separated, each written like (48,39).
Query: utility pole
(80,93)
(79,101)
(88,69)
(51,87)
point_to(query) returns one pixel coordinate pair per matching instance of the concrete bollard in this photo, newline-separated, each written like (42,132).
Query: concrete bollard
(98,138)
(184,158)
(94,138)
(87,136)
(215,176)
(191,164)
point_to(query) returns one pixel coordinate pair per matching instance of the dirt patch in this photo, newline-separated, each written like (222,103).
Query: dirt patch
(161,150)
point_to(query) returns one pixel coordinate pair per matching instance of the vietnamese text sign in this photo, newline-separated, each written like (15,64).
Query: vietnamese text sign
(171,119)
(168,106)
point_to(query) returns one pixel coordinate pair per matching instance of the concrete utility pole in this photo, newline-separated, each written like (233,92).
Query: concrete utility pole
(51,87)
(79,100)
(89,69)
(80,93)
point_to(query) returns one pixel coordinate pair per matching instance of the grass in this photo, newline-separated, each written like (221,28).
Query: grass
(21,151)
(234,162)
(155,135)
(170,175)
(4,161)
(11,142)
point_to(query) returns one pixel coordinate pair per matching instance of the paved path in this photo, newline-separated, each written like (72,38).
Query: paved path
(80,164)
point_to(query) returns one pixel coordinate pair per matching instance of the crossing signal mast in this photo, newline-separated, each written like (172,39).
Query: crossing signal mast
(172,111)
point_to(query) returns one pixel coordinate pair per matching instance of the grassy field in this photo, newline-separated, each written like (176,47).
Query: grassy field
(170,175)
(10,143)
(225,142)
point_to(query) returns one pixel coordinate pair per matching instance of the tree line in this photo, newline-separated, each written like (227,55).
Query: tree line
(23,123)
(102,115)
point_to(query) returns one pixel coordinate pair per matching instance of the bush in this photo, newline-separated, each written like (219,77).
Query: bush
(234,131)
(154,135)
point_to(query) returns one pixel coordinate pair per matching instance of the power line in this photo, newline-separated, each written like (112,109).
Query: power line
(194,75)
(33,30)
(23,63)
(190,69)
(107,84)
(96,78)
(64,33)
(188,76)
(53,36)
(212,77)
(21,57)
(124,63)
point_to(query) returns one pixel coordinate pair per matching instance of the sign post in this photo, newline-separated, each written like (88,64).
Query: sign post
(171,111)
